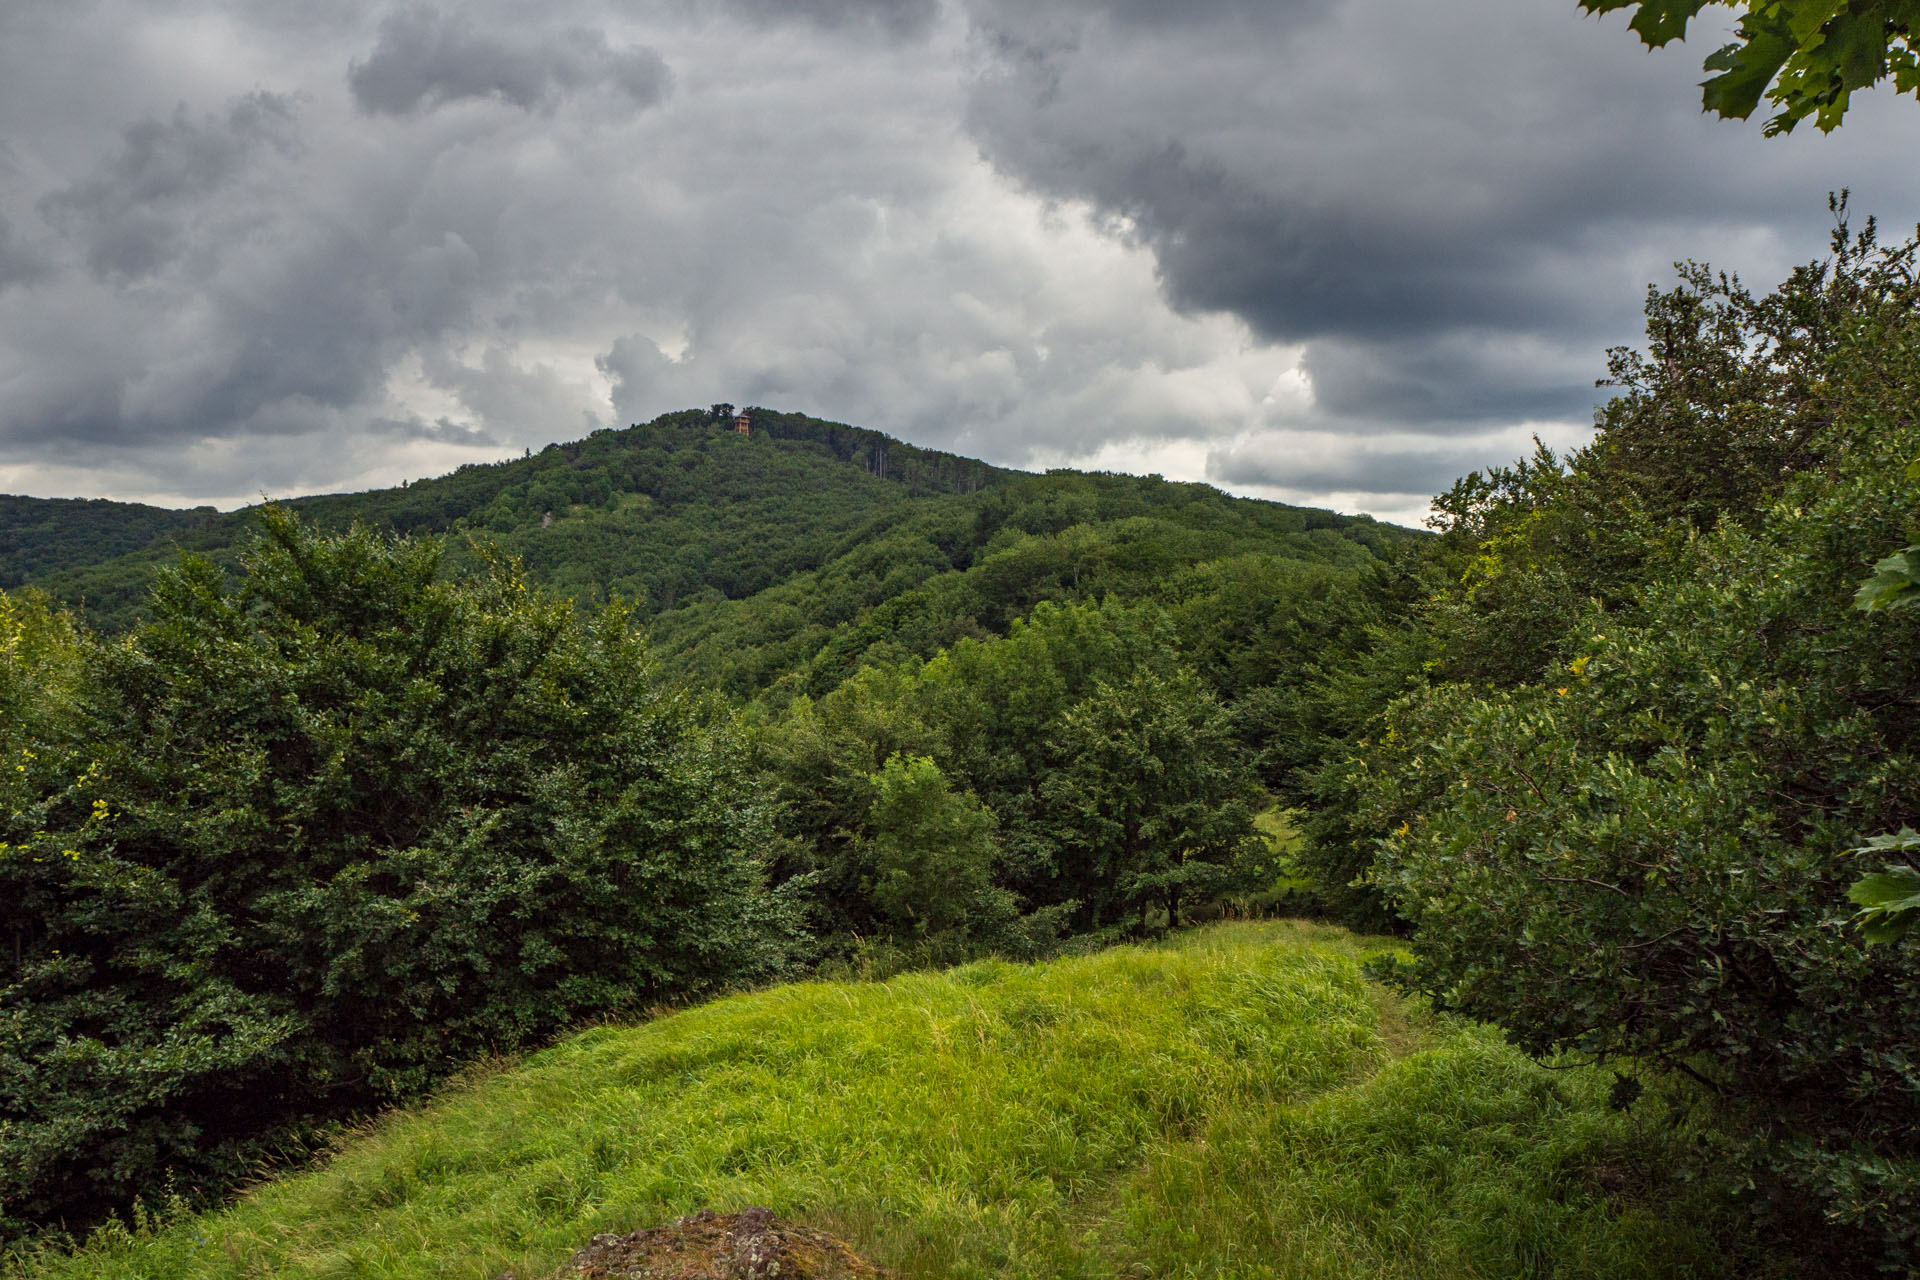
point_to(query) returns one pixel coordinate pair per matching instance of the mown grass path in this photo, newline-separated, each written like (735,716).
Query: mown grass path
(1236,1102)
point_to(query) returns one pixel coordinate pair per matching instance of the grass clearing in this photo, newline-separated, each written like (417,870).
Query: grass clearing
(1230,1103)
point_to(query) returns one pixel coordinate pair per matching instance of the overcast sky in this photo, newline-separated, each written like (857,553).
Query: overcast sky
(1329,251)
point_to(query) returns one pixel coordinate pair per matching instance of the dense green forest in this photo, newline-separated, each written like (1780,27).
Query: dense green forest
(41,536)
(379,784)
(789,556)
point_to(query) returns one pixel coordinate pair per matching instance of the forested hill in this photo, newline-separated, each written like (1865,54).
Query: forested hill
(917,579)
(39,536)
(749,554)
(655,513)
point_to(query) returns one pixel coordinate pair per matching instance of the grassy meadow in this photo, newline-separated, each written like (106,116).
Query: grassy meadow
(1237,1101)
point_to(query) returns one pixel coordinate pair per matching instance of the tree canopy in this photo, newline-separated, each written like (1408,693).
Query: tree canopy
(1807,57)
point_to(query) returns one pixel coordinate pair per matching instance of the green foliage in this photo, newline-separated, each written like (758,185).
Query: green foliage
(1807,57)
(959,568)
(1732,396)
(1111,774)
(783,561)
(1235,1103)
(40,665)
(1149,803)
(318,838)
(1889,900)
(1895,583)
(39,536)
(1632,842)
(933,852)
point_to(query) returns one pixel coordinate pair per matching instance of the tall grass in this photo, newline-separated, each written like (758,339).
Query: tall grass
(1239,1102)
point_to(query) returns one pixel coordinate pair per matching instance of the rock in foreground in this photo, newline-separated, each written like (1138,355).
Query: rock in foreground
(749,1245)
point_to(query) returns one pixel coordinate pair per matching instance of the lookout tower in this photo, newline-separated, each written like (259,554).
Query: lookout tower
(742,423)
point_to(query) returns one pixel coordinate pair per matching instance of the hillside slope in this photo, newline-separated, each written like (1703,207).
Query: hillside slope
(41,536)
(917,580)
(1236,1102)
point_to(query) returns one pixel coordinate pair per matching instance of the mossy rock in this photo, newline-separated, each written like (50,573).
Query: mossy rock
(750,1245)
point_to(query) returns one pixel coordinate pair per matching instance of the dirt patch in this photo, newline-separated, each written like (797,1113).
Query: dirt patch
(749,1245)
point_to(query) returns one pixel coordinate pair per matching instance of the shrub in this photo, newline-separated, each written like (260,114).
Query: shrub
(324,834)
(1647,856)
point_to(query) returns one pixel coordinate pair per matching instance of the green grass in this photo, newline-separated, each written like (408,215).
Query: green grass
(1236,1102)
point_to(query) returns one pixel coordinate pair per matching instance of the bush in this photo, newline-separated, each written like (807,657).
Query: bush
(1642,853)
(324,835)
(1108,774)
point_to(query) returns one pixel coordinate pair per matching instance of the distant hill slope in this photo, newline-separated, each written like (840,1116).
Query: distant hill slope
(915,580)
(798,551)
(39,536)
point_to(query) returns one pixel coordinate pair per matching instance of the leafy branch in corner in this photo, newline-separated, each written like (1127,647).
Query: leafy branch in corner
(1806,57)
(1889,900)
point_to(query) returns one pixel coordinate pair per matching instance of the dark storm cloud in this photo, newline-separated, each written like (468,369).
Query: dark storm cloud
(1228,241)
(425,58)
(134,213)
(1456,376)
(1297,238)
(439,431)
(1415,193)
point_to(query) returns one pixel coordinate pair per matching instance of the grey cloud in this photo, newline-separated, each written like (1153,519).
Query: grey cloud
(524,398)
(425,58)
(896,19)
(1401,468)
(134,214)
(636,367)
(1449,211)
(1054,24)
(262,350)
(1160,14)
(434,284)
(18,263)
(441,430)
(1450,376)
